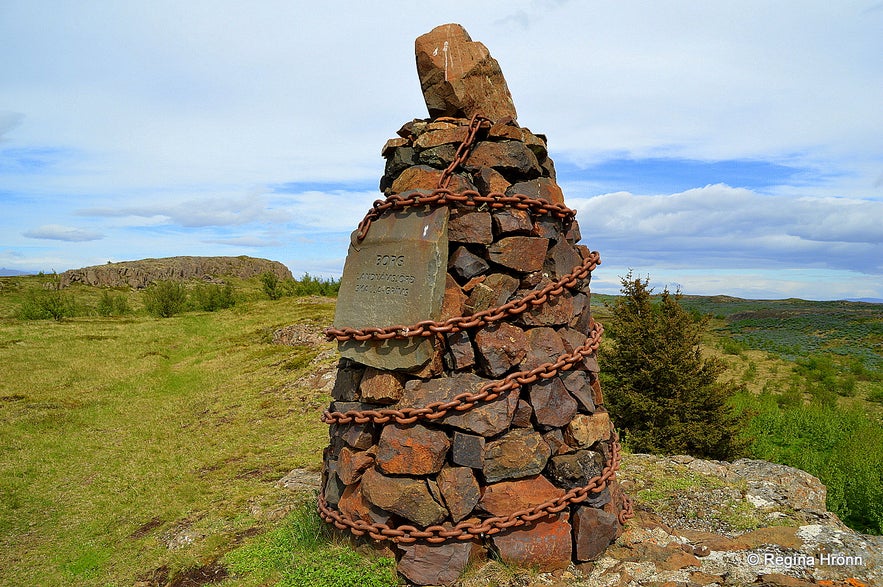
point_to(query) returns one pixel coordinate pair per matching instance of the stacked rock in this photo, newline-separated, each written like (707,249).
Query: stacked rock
(499,439)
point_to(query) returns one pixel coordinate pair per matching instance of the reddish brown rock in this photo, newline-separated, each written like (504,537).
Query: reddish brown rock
(587,429)
(465,264)
(359,436)
(537,144)
(411,450)
(546,545)
(353,504)
(518,453)
(552,405)
(459,77)
(557,311)
(434,564)
(459,489)
(507,497)
(468,450)
(381,387)
(485,418)
(520,253)
(574,339)
(555,439)
(489,180)
(460,352)
(404,496)
(509,221)
(391,145)
(505,130)
(523,413)
(454,301)
(491,293)
(593,531)
(544,346)
(500,347)
(351,464)
(511,158)
(443,136)
(424,177)
(541,188)
(471,227)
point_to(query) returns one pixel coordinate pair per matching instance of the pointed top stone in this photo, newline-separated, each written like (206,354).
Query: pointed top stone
(459,77)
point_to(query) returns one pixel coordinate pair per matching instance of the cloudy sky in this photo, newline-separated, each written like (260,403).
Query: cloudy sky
(727,147)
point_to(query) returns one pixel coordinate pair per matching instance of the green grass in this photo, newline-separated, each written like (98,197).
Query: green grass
(112,425)
(305,552)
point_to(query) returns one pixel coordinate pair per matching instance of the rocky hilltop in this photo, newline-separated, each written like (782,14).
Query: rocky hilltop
(139,274)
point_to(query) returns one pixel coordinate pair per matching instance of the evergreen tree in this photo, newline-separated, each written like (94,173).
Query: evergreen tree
(660,390)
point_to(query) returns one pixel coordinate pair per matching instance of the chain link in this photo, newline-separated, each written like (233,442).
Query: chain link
(469,529)
(465,401)
(427,328)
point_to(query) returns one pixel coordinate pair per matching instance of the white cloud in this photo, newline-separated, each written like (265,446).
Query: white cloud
(62,233)
(199,212)
(719,226)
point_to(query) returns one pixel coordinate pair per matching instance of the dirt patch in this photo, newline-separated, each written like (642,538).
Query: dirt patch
(144,529)
(211,573)
(299,334)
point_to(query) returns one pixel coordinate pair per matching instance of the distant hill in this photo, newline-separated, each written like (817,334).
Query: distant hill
(4,272)
(139,274)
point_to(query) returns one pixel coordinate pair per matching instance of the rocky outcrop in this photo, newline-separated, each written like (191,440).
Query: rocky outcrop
(698,523)
(748,522)
(140,274)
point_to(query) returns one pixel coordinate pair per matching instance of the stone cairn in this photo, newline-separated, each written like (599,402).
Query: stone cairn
(467,410)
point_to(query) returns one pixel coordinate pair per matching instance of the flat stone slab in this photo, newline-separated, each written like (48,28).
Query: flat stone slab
(395,276)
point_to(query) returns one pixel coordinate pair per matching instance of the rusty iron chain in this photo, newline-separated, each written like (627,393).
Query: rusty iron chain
(472,198)
(442,196)
(427,328)
(466,400)
(470,529)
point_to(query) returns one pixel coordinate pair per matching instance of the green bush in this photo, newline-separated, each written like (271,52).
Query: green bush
(212,297)
(48,301)
(113,304)
(270,284)
(313,286)
(843,448)
(667,398)
(164,299)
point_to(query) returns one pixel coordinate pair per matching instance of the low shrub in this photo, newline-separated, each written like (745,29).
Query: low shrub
(164,299)
(212,297)
(113,304)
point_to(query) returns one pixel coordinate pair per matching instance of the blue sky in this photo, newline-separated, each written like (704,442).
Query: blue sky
(731,147)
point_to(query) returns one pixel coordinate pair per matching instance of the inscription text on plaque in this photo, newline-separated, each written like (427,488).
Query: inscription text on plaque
(394,277)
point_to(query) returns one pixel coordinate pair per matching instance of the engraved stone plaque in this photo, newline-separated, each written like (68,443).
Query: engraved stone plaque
(394,277)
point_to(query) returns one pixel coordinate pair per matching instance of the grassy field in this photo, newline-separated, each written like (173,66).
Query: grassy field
(134,447)
(138,451)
